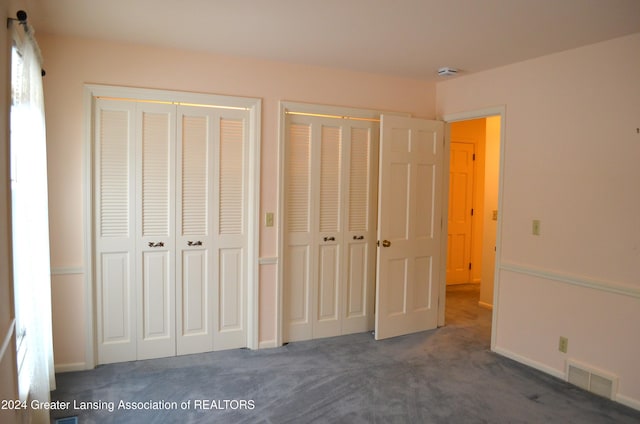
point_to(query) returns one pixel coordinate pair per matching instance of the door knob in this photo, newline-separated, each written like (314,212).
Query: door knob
(386,243)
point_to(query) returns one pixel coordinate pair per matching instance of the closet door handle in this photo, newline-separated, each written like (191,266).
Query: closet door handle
(194,243)
(157,244)
(358,237)
(329,239)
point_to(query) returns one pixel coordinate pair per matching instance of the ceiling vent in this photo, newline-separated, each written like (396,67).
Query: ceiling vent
(447,71)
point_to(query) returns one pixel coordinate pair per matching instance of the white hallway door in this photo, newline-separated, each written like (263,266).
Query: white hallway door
(409,226)
(170,230)
(460,213)
(329,226)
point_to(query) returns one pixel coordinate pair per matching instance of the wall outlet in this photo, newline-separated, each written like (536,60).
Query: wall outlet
(563,344)
(268,219)
(535,227)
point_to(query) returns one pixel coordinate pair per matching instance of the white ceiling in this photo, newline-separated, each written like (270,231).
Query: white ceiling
(410,38)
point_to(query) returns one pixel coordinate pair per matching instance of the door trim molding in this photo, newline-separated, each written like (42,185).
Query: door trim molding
(254,107)
(463,116)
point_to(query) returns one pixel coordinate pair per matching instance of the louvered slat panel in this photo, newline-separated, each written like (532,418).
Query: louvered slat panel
(231,176)
(194,175)
(330,157)
(298,178)
(359,179)
(114,173)
(155,174)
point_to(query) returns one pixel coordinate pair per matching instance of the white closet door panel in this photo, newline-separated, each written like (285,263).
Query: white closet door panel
(231,322)
(115,295)
(230,188)
(156,156)
(330,178)
(327,321)
(298,169)
(195,172)
(194,240)
(362,167)
(326,187)
(155,224)
(157,317)
(114,232)
(360,217)
(193,303)
(298,260)
(297,293)
(114,171)
(194,293)
(117,341)
(358,316)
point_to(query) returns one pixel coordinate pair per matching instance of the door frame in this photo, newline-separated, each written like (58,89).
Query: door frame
(465,116)
(254,106)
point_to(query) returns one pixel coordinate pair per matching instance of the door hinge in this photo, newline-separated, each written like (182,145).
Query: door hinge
(469,266)
(474,157)
(471,211)
(378,243)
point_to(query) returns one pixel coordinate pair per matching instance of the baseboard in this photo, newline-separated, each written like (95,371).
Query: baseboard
(627,401)
(267,344)
(76,366)
(530,363)
(485,305)
(624,400)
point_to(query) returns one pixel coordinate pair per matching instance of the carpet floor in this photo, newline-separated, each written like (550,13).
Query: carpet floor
(446,375)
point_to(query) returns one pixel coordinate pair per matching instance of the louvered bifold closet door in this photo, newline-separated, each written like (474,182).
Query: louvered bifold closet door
(330,197)
(114,168)
(327,151)
(155,227)
(230,188)
(299,215)
(195,241)
(360,219)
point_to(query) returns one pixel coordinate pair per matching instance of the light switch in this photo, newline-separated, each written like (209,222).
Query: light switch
(268,219)
(535,227)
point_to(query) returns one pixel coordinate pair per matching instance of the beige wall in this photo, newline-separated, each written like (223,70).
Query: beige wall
(571,161)
(72,62)
(8,368)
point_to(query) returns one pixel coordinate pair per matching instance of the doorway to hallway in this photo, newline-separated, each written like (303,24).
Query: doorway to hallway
(472,212)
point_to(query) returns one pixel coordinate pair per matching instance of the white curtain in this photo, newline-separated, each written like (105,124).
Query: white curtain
(30,222)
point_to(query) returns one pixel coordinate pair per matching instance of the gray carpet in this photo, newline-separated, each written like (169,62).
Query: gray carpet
(441,376)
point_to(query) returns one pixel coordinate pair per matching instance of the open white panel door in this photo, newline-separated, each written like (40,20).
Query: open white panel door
(409,225)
